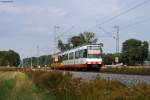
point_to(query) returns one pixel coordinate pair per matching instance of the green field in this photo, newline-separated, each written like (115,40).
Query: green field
(41,85)
(17,86)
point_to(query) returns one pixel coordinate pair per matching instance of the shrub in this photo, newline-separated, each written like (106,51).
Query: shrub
(65,87)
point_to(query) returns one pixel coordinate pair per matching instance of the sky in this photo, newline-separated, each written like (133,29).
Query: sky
(27,26)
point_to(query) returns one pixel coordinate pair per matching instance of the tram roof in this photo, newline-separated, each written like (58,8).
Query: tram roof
(76,49)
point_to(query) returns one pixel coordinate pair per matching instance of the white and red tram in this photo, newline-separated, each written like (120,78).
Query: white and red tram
(83,57)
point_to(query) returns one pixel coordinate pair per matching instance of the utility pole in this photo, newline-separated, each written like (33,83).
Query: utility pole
(55,37)
(22,63)
(117,44)
(117,39)
(31,62)
(37,55)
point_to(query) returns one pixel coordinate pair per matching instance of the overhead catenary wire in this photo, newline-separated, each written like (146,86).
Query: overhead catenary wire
(124,12)
(107,32)
(65,32)
(116,16)
(120,14)
(135,23)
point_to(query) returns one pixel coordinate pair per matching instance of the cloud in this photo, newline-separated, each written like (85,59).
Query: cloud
(35,19)
(25,9)
(93,7)
(36,30)
(8,8)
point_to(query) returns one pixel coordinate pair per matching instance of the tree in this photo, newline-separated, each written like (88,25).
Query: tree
(134,52)
(62,46)
(75,41)
(81,39)
(10,57)
(145,49)
(148,56)
(43,60)
(109,59)
(88,38)
(13,58)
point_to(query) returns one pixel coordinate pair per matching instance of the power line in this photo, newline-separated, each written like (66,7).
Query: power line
(103,22)
(124,12)
(107,32)
(64,33)
(117,37)
(135,23)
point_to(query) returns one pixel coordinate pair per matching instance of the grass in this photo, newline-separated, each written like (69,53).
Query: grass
(17,86)
(55,84)
(5,88)
(65,87)
(42,85)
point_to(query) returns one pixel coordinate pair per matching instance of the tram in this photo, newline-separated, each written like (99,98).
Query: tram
(86,57)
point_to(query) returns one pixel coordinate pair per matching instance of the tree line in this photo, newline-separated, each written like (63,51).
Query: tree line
(42,61)
(9,58)
(134,52)
(148,57)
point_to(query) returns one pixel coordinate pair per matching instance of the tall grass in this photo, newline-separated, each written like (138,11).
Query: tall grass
(56,84)
(5,88)
(64,87)
(16,86)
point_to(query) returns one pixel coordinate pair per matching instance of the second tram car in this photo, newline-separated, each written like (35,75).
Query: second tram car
(83,57)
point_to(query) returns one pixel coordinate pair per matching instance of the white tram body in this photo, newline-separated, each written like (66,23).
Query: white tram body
(83,57)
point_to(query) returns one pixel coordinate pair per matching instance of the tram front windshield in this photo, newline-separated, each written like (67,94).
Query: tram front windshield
(94,52)
(94,56)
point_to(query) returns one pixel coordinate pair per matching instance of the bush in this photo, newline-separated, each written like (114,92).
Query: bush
(65,87)
(62,86)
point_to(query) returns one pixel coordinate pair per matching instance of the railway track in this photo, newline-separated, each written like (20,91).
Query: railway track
(124,78)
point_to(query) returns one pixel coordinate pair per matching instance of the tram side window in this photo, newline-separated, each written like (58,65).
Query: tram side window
(80,54)
(84,53)
(65,57)
(71,55)
(77,55)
